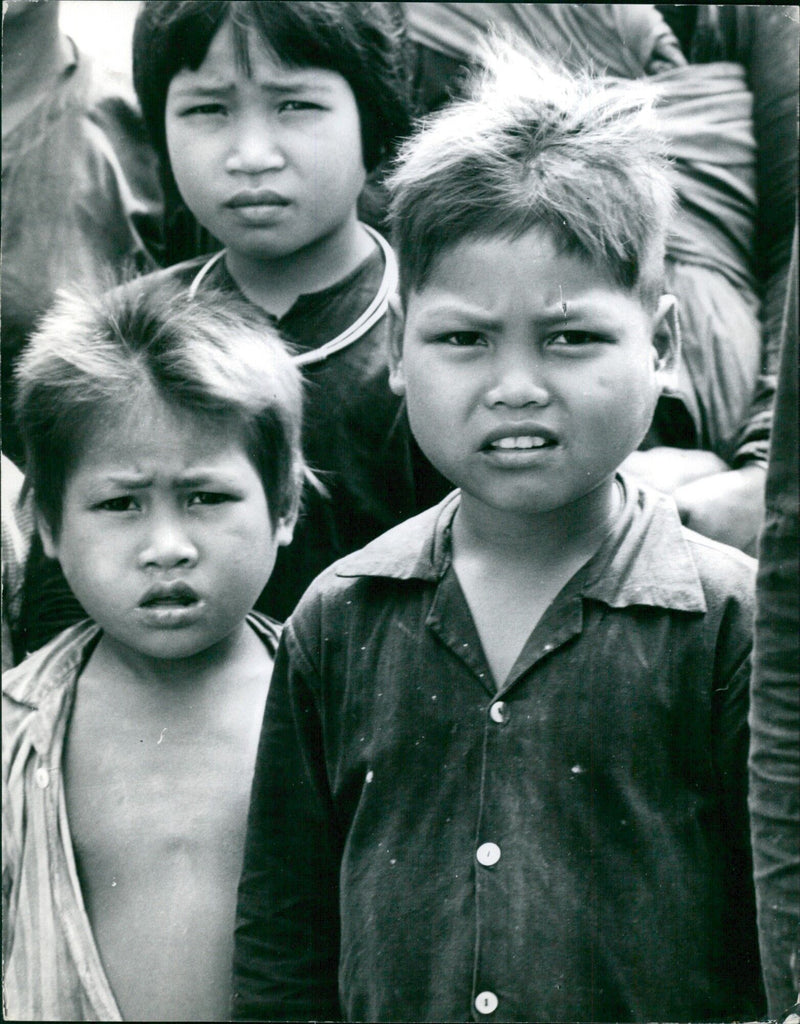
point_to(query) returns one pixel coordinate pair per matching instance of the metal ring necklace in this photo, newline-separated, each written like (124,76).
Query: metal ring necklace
(371,315)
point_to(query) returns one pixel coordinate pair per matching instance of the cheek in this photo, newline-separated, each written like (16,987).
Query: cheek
(175,147)
(246,542)
(187,160)
(97,575)
(623,403)
(337,162)
(422,404)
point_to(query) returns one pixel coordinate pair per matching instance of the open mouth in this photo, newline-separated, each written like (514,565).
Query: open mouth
(169,602)
(525,443)
(178,595)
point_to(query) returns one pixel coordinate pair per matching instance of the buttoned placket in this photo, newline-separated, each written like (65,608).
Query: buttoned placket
(503,712)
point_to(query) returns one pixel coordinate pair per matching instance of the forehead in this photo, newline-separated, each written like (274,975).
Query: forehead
(237,55)
(149,430)
(530,274)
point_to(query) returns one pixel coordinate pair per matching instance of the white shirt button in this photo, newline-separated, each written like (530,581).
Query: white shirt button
(488,854)
(498,712)
(42,777)
(486,1002)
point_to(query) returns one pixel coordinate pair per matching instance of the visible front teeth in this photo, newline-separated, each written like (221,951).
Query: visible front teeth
(513,443)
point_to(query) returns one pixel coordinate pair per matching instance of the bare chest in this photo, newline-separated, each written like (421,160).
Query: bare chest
(157,808)
(504,626)
(506,603)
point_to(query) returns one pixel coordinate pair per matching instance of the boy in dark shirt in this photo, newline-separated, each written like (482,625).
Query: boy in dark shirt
(504,755)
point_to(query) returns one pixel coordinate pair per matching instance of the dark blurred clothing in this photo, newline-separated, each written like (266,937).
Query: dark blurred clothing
(17,530)
(613,39)
(775,693)
(80,192)
(355,432)
(47,605)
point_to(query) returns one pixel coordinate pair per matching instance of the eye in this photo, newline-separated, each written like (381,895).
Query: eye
(461,339)
(209,498)
(204,109)
(575,339)
(122,503)
(297,106)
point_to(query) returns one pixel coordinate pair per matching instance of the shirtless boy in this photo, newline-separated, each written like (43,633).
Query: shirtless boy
(163,451)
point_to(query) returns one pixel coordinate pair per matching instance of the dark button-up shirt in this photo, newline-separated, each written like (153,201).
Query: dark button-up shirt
(424,846)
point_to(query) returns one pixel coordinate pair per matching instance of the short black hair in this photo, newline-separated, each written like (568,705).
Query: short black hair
(363,42)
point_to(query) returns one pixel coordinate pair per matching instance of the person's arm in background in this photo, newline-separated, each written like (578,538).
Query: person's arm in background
(775,696)
(728,504)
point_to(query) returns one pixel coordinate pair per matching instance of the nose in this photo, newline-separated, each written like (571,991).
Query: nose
(167,544)
(519,380)
(255,146)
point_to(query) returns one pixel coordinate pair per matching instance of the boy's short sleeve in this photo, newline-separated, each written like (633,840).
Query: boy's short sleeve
(287,924)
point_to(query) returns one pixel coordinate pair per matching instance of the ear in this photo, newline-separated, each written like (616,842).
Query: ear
(49,542)
(397,380)
(666,341)
(284,529)
(285,524)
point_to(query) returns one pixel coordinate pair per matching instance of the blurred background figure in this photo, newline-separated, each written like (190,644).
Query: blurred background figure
(79,179)
(16,530)
(728,82)
(775,695)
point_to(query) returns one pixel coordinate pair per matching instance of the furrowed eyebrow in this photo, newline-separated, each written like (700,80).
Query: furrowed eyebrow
(299,86)
(189,91)
(457,317)
(204,481)
(199,479)
(128,483)
(294,88)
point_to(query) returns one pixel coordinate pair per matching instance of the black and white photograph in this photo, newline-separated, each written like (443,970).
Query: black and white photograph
(400,512)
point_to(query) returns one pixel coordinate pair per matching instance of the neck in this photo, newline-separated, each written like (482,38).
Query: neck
(169,678)
(275,284)
(539,542)
(35,55)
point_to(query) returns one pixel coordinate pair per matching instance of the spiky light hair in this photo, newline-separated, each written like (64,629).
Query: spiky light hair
(532,146)
(215,357)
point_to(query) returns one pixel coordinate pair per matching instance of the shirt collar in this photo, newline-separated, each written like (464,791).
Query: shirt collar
(311,303)
(645,560)
(415,549)
(46,678)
